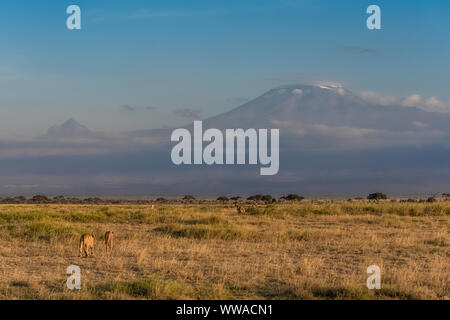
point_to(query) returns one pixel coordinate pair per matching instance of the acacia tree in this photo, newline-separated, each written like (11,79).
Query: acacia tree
(293,197)
(40,199)
(377,196)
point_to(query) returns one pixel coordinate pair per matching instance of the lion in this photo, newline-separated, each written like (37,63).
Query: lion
(240,209)
(109,240)
(86,245)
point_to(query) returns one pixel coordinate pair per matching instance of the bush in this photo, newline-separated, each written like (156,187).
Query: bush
(40,199)
(92,200)
(292,197)
(20,199)
(222,198)
(257,197)
(260,197)
(377,196)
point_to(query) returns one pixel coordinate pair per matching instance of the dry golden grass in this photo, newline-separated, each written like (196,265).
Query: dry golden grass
(282,251)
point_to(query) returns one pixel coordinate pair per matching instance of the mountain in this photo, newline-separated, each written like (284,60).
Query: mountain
(329,117)
(70,129)
(332,143)
(331,105)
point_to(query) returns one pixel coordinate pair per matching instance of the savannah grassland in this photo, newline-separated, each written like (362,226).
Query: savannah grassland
(209,251)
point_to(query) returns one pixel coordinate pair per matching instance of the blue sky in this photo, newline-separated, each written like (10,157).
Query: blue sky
(167,60)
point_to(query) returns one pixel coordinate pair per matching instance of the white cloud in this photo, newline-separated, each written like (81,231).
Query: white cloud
(378,98)
(413,100)
(428,104)
(283,124)
(341,91)
(297,91)
(343,131)
(434,102)
(289,126)
(419,125)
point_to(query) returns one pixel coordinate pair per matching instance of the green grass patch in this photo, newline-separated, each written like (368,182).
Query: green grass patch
(154,288)
(202,232)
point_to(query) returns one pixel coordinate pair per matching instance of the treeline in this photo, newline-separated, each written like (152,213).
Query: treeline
(263,198)
(258,198)
(42,199)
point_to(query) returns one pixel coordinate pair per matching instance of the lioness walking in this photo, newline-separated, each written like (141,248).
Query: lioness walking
(109,240)
(240,209)
(86,245)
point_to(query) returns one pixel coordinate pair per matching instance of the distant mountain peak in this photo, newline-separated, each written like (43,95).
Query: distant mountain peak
(71,122)
(70,129)
(73,125)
